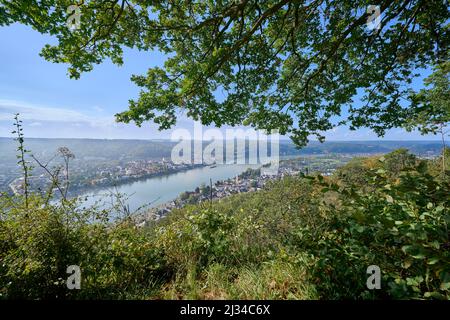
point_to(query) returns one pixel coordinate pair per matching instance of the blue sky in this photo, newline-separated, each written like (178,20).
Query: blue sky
(54,106)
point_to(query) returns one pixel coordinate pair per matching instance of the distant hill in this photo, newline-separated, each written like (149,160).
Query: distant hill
(358,147)
(94,157)
(101,149)
(87,149)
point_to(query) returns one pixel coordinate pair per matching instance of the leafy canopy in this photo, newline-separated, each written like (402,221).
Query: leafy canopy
(286,65)
(431,107)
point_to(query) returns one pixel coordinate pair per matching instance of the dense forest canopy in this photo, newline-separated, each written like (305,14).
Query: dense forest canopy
(295,66)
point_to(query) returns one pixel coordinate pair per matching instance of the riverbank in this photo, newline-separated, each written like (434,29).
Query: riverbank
(250,180)
(74,192)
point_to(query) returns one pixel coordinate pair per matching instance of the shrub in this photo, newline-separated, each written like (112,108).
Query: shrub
(401,226)
(39,242)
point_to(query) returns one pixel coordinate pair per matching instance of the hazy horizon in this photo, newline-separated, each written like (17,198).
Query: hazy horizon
(284,139)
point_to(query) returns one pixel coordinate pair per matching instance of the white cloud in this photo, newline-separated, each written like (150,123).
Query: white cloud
(51,122)
(37,113)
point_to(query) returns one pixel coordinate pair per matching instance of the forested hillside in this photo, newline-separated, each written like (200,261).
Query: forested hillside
(305,237)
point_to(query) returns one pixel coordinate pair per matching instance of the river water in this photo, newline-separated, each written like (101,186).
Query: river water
(157,190)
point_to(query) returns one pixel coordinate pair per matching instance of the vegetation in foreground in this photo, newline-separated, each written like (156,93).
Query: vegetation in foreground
(305,237)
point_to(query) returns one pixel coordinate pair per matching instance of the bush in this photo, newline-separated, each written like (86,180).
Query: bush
(299,238)
(39,242)
(401,226)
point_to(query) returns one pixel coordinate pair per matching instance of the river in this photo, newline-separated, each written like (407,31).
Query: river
(158,190)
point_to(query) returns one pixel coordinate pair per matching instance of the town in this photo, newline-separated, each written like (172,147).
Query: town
(83,178)
(249,181)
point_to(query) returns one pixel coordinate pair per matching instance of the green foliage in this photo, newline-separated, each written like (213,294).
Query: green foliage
(237,248)
(431,106)
(279,278)
(305,237)
(397,161)
(401,225)
(354,172)
(25,166)
(286,65)
(441,165)
(40,241)
(196,238)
